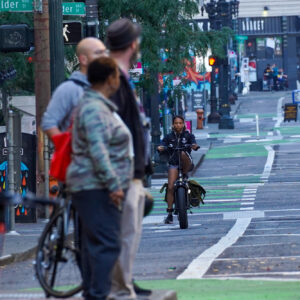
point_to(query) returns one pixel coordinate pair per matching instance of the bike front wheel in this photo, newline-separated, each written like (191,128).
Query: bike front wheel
(181,201)
(58,256)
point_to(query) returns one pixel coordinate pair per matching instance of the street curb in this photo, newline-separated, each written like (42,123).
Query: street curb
(17,257)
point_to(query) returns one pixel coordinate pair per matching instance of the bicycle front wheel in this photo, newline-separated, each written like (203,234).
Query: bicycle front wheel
(57,257)
(181,199)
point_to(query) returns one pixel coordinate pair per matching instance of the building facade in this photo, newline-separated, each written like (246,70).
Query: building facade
(268,32)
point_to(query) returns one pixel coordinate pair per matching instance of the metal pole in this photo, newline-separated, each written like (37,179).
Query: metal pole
(10,168)
(213,117)
(57,69)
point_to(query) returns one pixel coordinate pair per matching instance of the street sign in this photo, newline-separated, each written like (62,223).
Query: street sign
(290,112)
(197,100)
(69,8)
(73,8)
(16,5)
(72,32)
(241,38)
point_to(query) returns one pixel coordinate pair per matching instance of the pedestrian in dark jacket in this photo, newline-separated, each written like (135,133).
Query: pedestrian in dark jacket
(178,138)
(122,40)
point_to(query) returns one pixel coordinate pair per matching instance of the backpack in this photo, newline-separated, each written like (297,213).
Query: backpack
(196,195)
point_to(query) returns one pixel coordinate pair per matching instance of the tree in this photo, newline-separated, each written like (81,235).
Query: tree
(168,31)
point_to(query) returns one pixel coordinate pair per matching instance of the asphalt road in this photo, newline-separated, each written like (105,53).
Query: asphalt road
(249,226)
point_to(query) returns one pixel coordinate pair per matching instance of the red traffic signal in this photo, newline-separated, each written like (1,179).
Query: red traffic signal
(213,61)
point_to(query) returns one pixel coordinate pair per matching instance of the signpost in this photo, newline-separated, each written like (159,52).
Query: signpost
(290,112)
(69,8)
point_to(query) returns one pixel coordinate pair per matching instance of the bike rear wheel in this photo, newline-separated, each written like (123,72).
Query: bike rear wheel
(58,256)
(181,200)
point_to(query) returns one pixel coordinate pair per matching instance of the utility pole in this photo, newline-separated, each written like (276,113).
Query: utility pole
(42,83)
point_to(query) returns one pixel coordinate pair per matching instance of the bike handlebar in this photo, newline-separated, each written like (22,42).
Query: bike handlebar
(185,147)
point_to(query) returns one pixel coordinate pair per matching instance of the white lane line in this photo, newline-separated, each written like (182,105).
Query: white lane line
(199,266)
(255,274)
(267,235)
(247,203)
(245,184)
(247,208)
(279,113)
(269,163)
(223,200)
(257,258)
(153,219)
(29,296)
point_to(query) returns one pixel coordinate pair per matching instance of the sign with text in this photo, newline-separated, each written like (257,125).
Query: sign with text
(290,112)
(16,5)
(197,100)
(73,8)
(68,8)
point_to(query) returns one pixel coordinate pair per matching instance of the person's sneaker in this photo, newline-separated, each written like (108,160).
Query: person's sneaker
(169,219)
(140,291)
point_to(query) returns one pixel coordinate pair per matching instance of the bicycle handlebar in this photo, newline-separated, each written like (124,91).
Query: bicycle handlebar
(185,147)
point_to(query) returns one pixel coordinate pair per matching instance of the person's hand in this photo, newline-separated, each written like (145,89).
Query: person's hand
(117,197)
(160,148)
(195,147)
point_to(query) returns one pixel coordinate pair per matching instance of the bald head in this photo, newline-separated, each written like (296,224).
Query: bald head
(87,50)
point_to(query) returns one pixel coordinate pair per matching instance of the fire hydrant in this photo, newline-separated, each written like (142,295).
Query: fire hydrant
(200,118)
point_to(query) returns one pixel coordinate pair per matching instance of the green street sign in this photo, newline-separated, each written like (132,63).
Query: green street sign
(16,5)
(241,38)
(73,8)
(69,8)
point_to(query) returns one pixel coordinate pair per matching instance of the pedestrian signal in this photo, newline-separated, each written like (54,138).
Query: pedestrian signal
(72,32)
(213,61)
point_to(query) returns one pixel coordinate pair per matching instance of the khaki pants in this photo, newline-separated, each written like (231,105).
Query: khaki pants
(131,231)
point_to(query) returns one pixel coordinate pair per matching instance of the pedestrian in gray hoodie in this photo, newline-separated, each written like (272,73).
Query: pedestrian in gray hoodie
(57,117)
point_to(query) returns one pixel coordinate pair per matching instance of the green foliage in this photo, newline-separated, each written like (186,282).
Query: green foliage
(168,30)
(24,82)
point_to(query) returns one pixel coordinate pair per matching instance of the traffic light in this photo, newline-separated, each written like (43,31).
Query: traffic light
(15,38)
(213,61)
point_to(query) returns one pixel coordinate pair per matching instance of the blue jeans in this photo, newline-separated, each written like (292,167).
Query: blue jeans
(100,240)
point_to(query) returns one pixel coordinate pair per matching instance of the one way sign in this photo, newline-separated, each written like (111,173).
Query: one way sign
(72,32)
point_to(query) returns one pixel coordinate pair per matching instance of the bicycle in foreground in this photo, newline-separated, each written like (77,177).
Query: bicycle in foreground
(57,260)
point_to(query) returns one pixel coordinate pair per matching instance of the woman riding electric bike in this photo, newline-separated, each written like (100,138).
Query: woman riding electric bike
(179,137)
